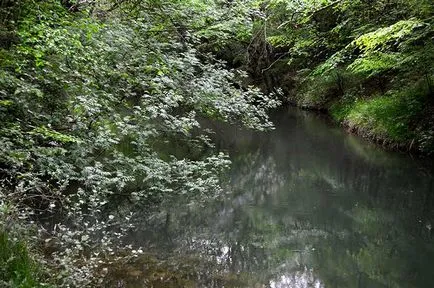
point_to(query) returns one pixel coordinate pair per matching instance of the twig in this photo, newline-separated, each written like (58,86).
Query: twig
(271,65)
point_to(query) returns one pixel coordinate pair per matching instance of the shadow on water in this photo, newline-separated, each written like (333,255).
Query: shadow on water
(306,206)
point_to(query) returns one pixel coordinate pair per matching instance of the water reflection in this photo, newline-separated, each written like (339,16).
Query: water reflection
(299,279)
(307,206)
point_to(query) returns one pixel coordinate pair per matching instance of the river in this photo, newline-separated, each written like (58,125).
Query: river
(306,205)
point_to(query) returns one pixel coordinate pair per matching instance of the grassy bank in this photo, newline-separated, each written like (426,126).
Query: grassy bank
(401,120)
(370,65)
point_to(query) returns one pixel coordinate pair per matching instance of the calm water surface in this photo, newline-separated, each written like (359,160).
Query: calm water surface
(307,206)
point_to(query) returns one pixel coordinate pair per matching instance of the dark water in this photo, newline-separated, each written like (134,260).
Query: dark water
(307,206)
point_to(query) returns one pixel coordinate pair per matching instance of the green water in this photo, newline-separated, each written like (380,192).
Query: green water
(306,206)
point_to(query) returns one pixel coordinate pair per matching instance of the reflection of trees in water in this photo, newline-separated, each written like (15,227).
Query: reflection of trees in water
(280,222)
(298,279)
(295,214)
(373,220)
(259,175)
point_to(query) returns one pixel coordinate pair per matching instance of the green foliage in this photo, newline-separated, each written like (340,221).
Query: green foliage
(368,63)
(17,269)
(375,55)
(375,63)
(100,112)
(279,40)
(387,117)
(327,84)
(383,37)
(49,134)
(100,101)
(340,110)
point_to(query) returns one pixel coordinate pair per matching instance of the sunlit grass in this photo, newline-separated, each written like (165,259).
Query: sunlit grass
(387,117)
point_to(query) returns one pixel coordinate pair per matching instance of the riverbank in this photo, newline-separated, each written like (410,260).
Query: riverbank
(381,127)
(401,121)
(299,198)
(101,103)
(368,66)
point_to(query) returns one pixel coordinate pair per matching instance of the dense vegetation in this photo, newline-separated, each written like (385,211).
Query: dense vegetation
(100,105)
(369,63)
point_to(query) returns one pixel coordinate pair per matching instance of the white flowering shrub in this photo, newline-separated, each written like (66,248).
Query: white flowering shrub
(99,121)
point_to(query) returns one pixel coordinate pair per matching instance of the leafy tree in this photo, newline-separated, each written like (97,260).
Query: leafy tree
(332,54)
(90,96)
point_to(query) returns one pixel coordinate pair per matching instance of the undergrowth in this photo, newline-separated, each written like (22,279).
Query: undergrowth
(17,268)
